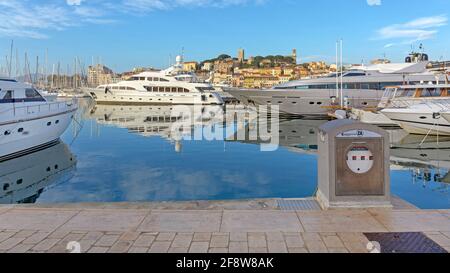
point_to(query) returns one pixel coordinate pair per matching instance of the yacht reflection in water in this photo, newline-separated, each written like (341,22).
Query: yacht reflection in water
(24,179)
(165,121)
(427,158)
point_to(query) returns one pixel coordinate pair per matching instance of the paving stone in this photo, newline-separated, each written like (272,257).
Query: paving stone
(277,247)
(238,247)
(24,233)
(297,250)
(86,245)
(160,247)
(340,221)
(178,250)
(10,243)
(120,247)
(199,247)
(332,241)
(166,236)
(275,237)
(135,249)
(337,250)
(294,241)
(316,247)
(356,247)
(6,235)
(182,240)
(93,235)
(58,248)
(106,220)
(129,236)
(257,250)
(45,244)
(20,248)
(311,237)
(202,237)
(35,219)
(260,221)
(182,221)
(353,237)
(412,221)
(144,240)
(71,237)
(58,234)
(238,237)
(218,250)
(219,241)
(98,249)
(107,240)
(257,240)
(36,238)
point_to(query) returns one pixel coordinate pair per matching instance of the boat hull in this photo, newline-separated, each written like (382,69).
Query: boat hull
(312,102)
(421,123)
(26,134)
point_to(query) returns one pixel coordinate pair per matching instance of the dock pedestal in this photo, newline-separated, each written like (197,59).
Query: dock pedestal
(353,166)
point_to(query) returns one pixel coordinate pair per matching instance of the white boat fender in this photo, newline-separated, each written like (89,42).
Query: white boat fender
(340,114)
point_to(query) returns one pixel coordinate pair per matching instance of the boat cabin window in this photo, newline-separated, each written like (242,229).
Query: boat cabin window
(205,89)
(431,92)
(163,80)
(130,88)
(407,93)
(142,78)
(8,95)
(32,94)
(115,88)
(161,89)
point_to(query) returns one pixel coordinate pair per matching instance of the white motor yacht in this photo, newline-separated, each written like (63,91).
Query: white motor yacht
(402,97)
(362,87)
(170,86)
(423,119)
(28,120)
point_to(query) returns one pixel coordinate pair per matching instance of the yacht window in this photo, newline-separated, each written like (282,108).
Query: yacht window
(354,74)
(156,79)
(142,78)
(8,95)
(180,90)
(32,93)
(122,88)
(407,93)
(149,79)
(167,89)
(163,80)
(115,87)
(133,79)
(131,88)
(161,89)
(174,89)
(186,90)
(148,88)
(431,92)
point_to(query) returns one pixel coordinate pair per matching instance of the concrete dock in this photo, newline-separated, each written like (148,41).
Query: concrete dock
(256,226)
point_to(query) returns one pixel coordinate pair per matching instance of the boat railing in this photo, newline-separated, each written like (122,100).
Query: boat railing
(38,109)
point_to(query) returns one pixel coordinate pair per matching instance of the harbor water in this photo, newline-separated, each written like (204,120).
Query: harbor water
(129,154)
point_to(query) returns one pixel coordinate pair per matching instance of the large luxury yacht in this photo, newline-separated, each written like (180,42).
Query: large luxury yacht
(363,87)
(170,86)
(28,121)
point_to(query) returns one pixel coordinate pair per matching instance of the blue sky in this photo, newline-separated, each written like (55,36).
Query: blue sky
(130,33)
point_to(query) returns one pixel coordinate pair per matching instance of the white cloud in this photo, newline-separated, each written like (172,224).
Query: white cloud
(374,2)
(74,2)
(416,30)
(26,18)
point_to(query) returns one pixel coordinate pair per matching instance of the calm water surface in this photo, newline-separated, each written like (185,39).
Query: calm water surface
(127,153)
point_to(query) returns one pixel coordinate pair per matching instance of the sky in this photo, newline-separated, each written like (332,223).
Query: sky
(141,33)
